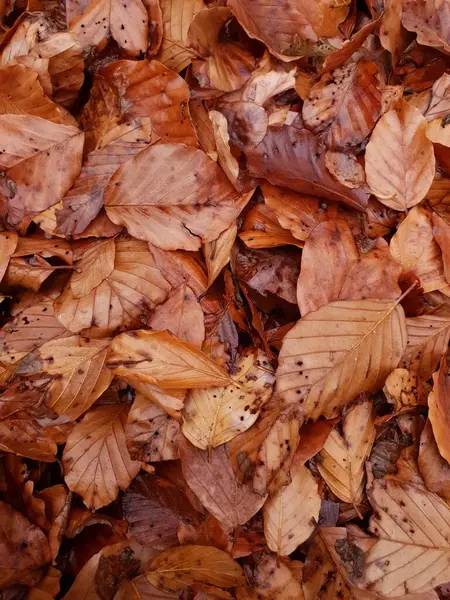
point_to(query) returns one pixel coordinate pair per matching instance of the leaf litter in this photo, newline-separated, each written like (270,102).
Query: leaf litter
(225,299)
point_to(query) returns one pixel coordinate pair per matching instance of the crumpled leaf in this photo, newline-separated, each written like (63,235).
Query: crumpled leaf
(430,20)
(214,416)
(434,469)
(261,229)
(289,514)
(333,268)
(40,174)
(287,29)
(24,549)
(371,338)
(343,107)
(179,567)
(272,578)
(172,212)
(152,434)
(341,462)
(155,508)
(399,159)
(293,158)
(95,458)
(212,480)
(405,390)
(161,359)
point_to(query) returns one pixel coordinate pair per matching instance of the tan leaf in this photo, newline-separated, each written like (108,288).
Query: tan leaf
(180,567)
(28,246)
(65,66)
(430,20)
(85,199)
(32,327)
(214,416)
(99,19)
(78,369)
(434,469)
(217,253)
(414,247)
(440,217)
(122,300)
(23,547)
(141,589)
(158,358)
(8,244)
(334,269)
(428,337)
(247,123)
(212,480)
(177,18)
(226,159)
(405,390)
(360,343)
(26,436)
(438,106)
(290,513)
(274,579)
(96,460)
(286,29)
(94,267)
(150,89)
(172,401)
(342,460)
(408,536)
(29,273)
(182,315)
(438,403)
(261,229)
(152,435)
(42,172)
(22,94)
(172,212)
(155,508)
(293,158)
(343,107)
(399,160)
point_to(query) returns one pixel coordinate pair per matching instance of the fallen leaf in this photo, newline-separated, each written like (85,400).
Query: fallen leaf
(343,107)
(41,174)
(290,513)
(182,315)
(122,300)
(272,578)
(214,416)
(177,17)
(225,157)
(99,19)
(405,534)
(152,434)
(247,122)
(180,567)
(293,158)
(172,212)
(438,401)
(399,158)
(405,390)
(441,233)
(261,229)
(434,469)
(141,589)
(8,244)
(333,268)
(212,480)
(96,460)
(414,247)
(430,22)
(161,359)
(342,460)
(393,36)
(48,588)
(203,128)
(24,549)
(217,253)
(150,89)
(155,509)
(286,30)
(346,169)
(372,339)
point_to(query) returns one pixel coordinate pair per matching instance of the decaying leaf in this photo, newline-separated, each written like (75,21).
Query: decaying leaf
(342,460)
(96,459)
(216,415)
(438,402)
(360,343)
